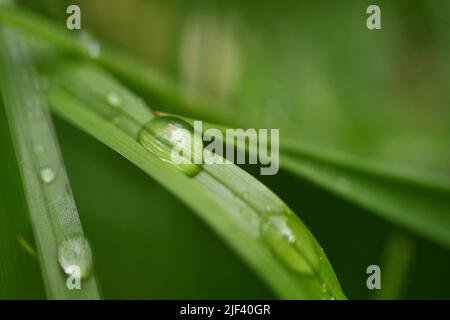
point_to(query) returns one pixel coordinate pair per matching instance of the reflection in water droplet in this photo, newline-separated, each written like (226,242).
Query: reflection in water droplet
(173,141)
(75,251)
(47,175)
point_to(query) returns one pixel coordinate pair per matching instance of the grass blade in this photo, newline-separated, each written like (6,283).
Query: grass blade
(20,275)
(294,267)
(51,206)
(415,202)
(421,209)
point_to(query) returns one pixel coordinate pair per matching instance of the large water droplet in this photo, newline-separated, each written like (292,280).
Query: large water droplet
(47,175)
(75,251)
(173,141)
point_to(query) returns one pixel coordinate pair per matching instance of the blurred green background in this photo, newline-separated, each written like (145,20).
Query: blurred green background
(311,68)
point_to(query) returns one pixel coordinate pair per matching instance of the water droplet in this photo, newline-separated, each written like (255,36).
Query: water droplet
(114,99)
(324,287)
(75,251)
(91,45)
(280,223)
(245,195)
(173,141)
(47,175)
(280,238)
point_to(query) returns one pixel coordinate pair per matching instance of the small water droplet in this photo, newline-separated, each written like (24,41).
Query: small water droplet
(114,99)
(280,238)
(173,141)
(47,175)
(92,46)
(245,195)
(280,223)
(324,287)
(75,251)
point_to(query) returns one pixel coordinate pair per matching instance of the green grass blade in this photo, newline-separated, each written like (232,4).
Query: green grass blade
(245,220)
(420,209)
(51,207)
(415,202)
(20,275)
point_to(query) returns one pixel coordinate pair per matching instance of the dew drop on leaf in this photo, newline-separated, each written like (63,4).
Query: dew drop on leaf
(91,45)
(75,251)
(173,141)
(47,175)
(280,238)
(114,99)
